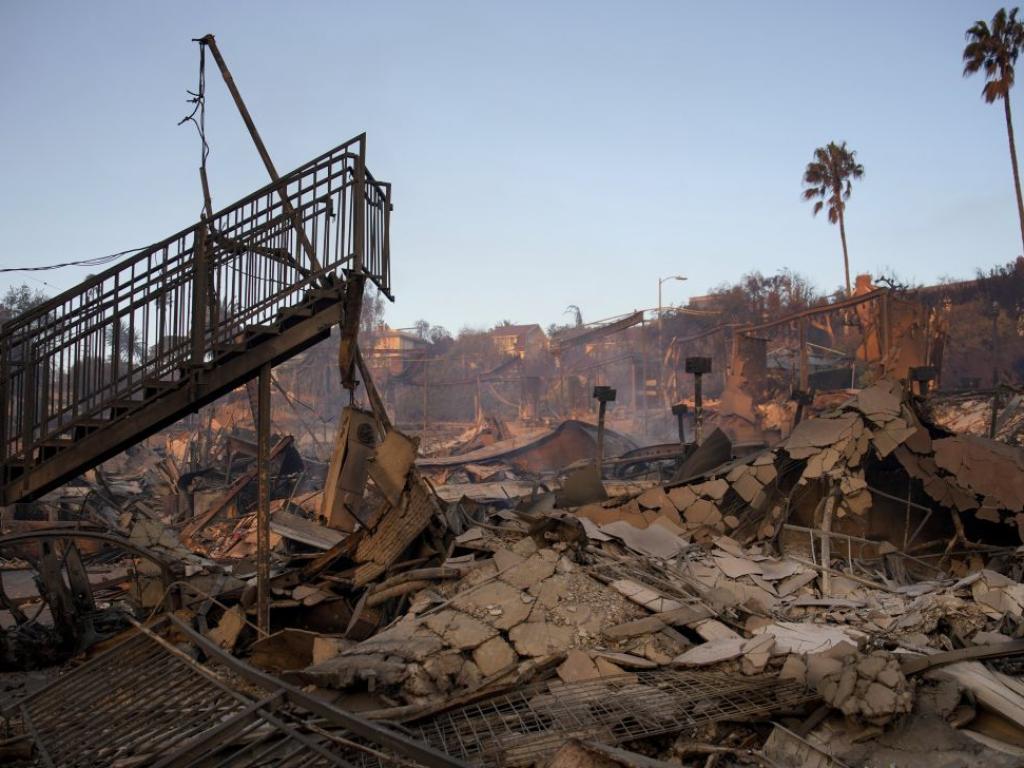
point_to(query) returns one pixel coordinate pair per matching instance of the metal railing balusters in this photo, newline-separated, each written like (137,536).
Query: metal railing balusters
(148,316)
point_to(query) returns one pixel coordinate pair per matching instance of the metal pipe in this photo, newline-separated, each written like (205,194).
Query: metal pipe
(805,374)
(603,395)
(698,409)
(263,510)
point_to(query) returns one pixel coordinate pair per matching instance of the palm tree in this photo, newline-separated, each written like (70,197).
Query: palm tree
(994,49)
(829,179)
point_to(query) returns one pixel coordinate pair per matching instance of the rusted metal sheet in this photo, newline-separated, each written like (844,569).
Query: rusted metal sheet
(539,450)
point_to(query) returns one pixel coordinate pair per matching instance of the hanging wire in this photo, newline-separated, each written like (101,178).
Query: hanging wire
(95,262)
(198,101)
(198,118)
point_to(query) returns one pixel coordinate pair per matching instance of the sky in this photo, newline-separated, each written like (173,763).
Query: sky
(542,153)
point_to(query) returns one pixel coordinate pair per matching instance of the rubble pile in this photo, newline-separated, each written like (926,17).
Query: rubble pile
(782,572)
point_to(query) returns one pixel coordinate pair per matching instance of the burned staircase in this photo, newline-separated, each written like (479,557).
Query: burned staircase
(133,349)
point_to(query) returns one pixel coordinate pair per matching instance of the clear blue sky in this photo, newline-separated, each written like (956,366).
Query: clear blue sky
(543,153)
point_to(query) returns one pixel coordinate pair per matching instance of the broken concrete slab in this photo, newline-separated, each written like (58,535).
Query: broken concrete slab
(493,656)
(711,652)
(497,603)
(459,630)
(578,666)
(540,638)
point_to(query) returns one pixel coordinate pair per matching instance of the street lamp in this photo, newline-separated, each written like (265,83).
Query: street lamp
(660,281)
(663,280)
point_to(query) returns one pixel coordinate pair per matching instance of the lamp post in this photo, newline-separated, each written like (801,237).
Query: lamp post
(660,281)
(660,351)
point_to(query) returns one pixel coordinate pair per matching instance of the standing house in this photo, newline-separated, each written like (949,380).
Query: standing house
(519,341)
(394,348)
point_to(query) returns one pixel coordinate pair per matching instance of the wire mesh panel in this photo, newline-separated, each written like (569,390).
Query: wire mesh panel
(519,727)
(145,702)
(136,701)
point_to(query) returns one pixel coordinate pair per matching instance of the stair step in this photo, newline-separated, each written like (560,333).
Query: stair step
(91,422)
(297,311)
(155,387)
(327,293)
(262,330)
(56,442)
(52,446)
(13,470)
(160,384)
(84,427)
(120,407)
(228,346)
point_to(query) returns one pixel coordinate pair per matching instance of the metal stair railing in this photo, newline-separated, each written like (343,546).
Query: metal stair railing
(182,303)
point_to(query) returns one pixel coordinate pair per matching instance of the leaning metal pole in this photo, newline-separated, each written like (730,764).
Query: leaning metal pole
(229,81)
(263,510)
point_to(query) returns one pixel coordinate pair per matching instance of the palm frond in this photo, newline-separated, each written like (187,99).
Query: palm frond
(994,49)
(828,178)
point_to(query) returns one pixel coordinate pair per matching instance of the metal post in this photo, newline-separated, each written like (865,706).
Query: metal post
(680,410)
(995,370)
(359,208)
(698,366)
(28,409)
(426,368)
(478,411)
(805,373)
(659,315)
(883,341)
(643,372)
(603,395)
(263,510)
(995,345)
(6,406)
(995,414)
(698,410)
(199,299)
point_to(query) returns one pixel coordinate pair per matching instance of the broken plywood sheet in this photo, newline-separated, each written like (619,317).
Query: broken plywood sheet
(347,472)
(391,464)
(304,531)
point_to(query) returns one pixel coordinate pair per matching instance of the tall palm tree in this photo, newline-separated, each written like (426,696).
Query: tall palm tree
(829,180)
(994,49)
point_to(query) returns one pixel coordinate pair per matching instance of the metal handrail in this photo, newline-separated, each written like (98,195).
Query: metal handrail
(181,302)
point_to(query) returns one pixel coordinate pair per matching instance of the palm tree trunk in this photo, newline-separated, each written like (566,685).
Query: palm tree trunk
(846,255)
(1013,161)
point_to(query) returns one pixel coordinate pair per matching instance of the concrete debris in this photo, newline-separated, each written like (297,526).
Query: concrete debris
(793,564)
(869,687)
